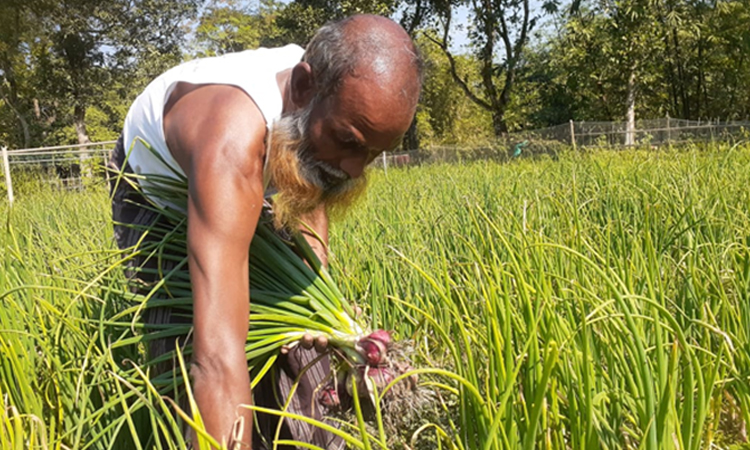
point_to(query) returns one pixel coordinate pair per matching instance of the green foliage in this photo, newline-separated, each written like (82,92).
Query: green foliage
(587,299)
(58,59)
(446,115)
(68,71)
(230,27)
(301,18)
(595,301)
(687,57)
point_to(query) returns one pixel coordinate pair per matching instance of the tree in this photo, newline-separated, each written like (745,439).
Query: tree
(414,15)
(499,24)
(680,58)
(230,27)
(82,31)
(446,115)
(706,62)
(16,21)
(300,19)
(609,51)
(59,59)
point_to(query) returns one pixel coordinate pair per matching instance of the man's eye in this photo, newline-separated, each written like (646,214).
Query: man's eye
(355,146)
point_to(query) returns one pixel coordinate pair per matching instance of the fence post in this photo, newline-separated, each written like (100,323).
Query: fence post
(385,165)
(8,181)
(572,135)
(669,132)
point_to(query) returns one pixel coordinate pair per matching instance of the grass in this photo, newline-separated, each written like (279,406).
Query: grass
(594,301)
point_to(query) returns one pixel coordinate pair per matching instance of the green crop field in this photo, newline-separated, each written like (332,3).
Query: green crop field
(597,300)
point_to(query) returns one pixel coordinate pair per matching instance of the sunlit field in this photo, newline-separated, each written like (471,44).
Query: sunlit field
(597,300)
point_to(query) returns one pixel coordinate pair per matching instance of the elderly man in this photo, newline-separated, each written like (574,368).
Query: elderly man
(298,125)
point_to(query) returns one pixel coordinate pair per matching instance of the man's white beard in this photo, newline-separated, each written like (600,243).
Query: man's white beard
(302,182)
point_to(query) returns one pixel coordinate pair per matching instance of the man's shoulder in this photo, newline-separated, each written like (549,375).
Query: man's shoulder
(216,122)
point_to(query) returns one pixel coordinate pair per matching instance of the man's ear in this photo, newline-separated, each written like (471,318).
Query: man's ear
(303,84)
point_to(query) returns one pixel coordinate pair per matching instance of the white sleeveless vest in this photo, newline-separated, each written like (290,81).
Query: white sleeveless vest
(253,71)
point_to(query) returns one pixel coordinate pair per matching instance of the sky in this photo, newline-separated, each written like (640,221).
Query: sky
(458,31)
(459,26)
(461,21)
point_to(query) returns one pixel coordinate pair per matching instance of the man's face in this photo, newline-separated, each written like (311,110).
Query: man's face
(319,154)
(330,180)
(349,129)
(302,181)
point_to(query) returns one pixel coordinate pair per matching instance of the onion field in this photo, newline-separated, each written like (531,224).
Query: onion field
(595,300)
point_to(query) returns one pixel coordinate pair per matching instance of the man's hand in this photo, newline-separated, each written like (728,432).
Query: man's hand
(317,221)
(320,343)
(307,342)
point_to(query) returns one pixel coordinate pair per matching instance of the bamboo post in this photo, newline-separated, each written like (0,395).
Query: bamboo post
(712,129)
(669,132)
(8,181)
(385,165)
(572,135)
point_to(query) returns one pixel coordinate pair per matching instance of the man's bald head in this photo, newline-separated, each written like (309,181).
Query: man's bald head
(364,46)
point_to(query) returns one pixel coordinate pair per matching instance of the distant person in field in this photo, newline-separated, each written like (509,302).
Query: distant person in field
(298,125)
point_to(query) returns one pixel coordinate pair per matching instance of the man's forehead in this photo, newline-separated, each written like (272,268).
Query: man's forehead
(384,71)
(357,120)
(368,94)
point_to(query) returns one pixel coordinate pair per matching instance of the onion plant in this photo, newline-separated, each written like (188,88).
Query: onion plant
(595,300)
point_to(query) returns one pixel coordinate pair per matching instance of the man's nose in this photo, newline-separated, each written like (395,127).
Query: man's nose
(354,165)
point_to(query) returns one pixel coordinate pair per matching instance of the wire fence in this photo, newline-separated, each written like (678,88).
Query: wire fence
(657,132)
(580,135)
(63,166)
(75,166)
(652,132)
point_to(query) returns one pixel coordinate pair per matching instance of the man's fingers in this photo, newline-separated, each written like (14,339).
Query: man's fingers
(321,343)
(307,341)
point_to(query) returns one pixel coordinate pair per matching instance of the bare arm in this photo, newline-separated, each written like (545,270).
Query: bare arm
(223,161)
(318,221)
(221,223)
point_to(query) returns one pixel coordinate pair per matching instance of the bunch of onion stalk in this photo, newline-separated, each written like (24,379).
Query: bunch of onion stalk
(292,296)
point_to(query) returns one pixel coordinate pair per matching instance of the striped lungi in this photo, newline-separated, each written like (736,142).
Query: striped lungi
(273,391)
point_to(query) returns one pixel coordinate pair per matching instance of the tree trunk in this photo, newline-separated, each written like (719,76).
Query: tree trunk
(411,138)
(499,107)
(79,113)
(704,105)
(24,125)
(671,78)
(11,99)
(80,124)
(498,123)
(683,86)
(630,129)
(25,128)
